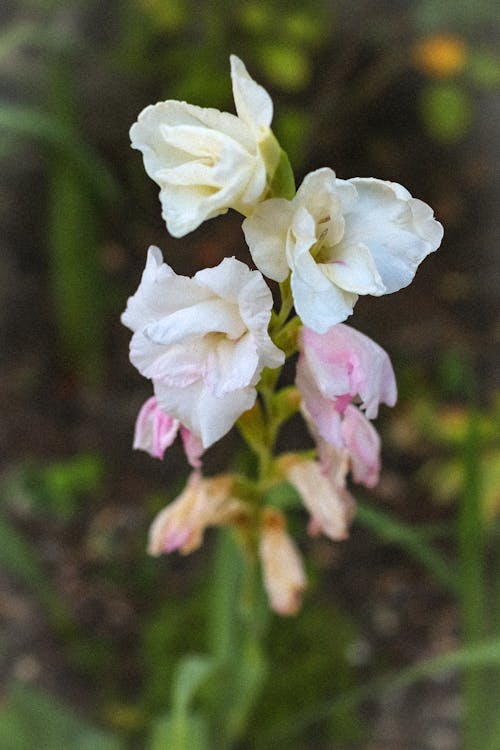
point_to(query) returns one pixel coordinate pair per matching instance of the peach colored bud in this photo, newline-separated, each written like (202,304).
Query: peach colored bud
(284,577)
(323,491)
(202,503)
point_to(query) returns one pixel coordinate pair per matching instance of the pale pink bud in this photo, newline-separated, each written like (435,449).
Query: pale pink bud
(283,571)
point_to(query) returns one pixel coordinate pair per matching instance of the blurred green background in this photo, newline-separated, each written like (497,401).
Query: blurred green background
(103,647)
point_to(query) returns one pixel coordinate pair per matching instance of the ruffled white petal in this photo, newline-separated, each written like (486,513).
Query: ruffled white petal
(202,341)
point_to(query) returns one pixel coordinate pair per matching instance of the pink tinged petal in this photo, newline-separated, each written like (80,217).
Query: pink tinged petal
(155,430)
(253,104)
(265,232)
(319,412)
(193,447)
(363,444)
(282,568)
(398,230)
(346,362)
(324,494)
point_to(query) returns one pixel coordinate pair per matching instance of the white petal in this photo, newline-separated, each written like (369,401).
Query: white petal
(265,233)
(231,365)
(321,307)
(194,321)
(354,270)
(225,280)
(398,233)
(253,104)
(203,413)
(176,365)
(159,293)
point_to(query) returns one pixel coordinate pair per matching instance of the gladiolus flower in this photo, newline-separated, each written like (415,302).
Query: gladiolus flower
(203,341)
(340,239)
(206,161)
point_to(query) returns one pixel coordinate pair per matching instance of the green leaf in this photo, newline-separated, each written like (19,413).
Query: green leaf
(283,181)
(285,403)
(252,427)
(192,671)
(32,719)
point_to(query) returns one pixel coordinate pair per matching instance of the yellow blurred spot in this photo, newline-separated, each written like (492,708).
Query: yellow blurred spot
(441,55)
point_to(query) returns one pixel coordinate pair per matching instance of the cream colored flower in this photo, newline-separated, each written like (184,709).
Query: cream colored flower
(206,161)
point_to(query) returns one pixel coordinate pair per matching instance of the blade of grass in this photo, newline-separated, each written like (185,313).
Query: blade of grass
(402,535)
(472,594)
(73,245)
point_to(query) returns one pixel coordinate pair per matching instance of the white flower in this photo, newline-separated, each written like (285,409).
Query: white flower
(202,341)
(340,239)
(206,161)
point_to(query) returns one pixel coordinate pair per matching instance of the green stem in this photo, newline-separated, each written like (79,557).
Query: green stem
(472,594)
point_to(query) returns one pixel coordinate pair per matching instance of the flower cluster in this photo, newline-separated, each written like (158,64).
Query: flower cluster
(212,344)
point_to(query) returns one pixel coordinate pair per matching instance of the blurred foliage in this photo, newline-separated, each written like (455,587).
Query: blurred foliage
(31,719)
